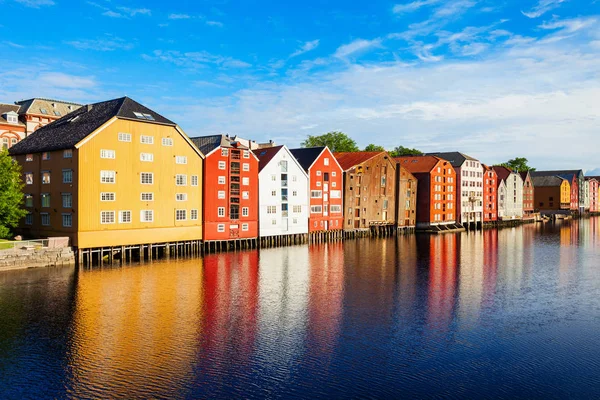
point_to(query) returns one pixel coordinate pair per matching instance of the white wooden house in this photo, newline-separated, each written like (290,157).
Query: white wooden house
(510,194)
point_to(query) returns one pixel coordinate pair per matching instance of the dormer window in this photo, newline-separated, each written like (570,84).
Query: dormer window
(57,113)
(11,117)
(143,116)
(44,111)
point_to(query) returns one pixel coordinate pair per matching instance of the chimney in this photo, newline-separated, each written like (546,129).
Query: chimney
(89,107)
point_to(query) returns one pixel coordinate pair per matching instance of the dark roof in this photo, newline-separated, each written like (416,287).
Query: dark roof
(569,172)
(265,155)
(348,160)
(587,178)
(502,172)
(307,156)
(524,175)
(419,164)
(547,181)
(455,158)
(6,108)
(69,130)
(206,144)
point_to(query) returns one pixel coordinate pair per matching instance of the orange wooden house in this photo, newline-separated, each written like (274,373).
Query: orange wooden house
(490,193)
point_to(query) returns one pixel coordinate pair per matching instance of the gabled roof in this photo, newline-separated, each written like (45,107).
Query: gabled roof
(266,155)
(455,158)
(6,108)
(547,181)
(419,164)
(524,175)
(38,104)
(569,172)
(589,178)
(348,160)
(307,156)
(69,130)
(487,168)
(206,144)
(502,172)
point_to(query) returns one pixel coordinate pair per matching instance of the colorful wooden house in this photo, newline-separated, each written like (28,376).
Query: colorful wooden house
(38,112)
(436,199)
(576,179)
(325,180)
(510,194)
(230,189)
(593,184)
(406,198)
(369,190)
(490,194)
(528,194)
(552,194)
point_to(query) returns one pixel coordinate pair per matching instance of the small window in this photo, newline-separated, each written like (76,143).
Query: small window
(68,153)
(29,157)
(44,111)
(245,211)
(333,173)
(145,139)
(246,181)
(221,228)
(224,152)
(245,227)
(326,161)
(273,178)
(45,156)
(67,220)
(147,178)
(28,200)
(318,173)
(124,137)
(147,157)
(45,219)
(67,200)
(245,195)
(147,196)
(143,116)
(246,154)
(221,180)
(318,183)
(194,180)
(146,215)
(180,160)
(181,197)
(45,177)
(193,214)
(107,154)
(29,178)
(271,209)
(180,215)
(107,217)
(45,200)
(181,180)
(221,194)
(124,217)
(167,142)
(107,196)
(67,175)
(107,176)
(222,164)
(274,193)
(29,219)
(221,211)
(246,167)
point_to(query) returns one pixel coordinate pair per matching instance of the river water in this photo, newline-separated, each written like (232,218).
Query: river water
(511,313)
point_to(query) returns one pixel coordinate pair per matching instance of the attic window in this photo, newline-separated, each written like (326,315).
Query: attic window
(74,118)
(43,111)
(57,113)
(143,116)
(70,107)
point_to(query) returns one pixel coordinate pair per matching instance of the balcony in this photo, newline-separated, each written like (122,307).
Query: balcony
(284,184)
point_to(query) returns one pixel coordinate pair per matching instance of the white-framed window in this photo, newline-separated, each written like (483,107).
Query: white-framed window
(29,157)
(318,183)
(67,220)
(335,208)
(45,156)
(274,193)
(245,195)
(245,211)
(271,209)
(146,139)
(246,154)
(45,219)
(316,209)
(326,161)
(181,197)
(333,173)
(193,214)
(67,175)
(124,137)
(166,141)
(221,180)
(107,217)
(273,178)
(316,194)
(221,211)
(294,221)
(45,200)
(294,178)
(222,164)
(45,177)
(147,196)
(125,217)
(333,184)
(180,215)
(147,157)
(111,154)
(108,196)
(273,222)
(318,173)
(108,176)
(146,215)
(245,227)
(296,209)
(224,152)
(180,160)
(246,181)
(147,178)
(29,178)
(221,194)
(68,153)
(194,180)
(67,200)
(246,167)
(295,193)
(221,228)
(29,219)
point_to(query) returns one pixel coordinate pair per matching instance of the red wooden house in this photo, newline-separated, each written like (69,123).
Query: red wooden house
(230,189)
(490,193)
(325,182)
(528,194)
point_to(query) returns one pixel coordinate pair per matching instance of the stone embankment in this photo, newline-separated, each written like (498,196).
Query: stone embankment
(35,258)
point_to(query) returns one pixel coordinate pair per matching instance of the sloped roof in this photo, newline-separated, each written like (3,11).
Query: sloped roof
(6,108)
(568,172)
(348,160)
(37,104)
(69,130)
(455,158)
(419,164)
(547,181)
(524,175)
(206,144)
(502,172)
(587,178)
(307,156)
(265,155)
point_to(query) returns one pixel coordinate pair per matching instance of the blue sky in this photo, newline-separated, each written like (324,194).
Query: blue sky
(494,79)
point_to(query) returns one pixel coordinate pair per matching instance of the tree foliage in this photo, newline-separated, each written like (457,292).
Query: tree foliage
(518,164)
(336,141)
(374,147)
(11,195)
(402,151)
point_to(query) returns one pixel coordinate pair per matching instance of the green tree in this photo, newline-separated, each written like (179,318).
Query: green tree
(518,164)
(336,141)
(374,147)
(11,195)
(402,151)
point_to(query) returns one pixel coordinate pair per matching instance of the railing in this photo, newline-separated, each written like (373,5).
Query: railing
(23,244)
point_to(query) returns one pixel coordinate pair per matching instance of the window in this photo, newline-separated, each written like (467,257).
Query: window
(67,200)
(124,137)
(45,156)
(318,183)
(334,173)
(145,139)
(316,194)
(316,209)
(45,177)
(146,215)
(193,214)
(147,157)
(335,208)
(147,196)
(67,220)
(180,160)
(45,200)
(107,176)
(28,200)
(221,211)
(297,209)
(181,180)
(224,152)
(234,211)
(107,196)
(318,173)
(273,178)
(68,153)
(221,228)
(194,180)
(333,184)
(246,167)
(245,227)
(221,194)
(273,222)
(67,176)
(167,141)
(326,161)
(29,178)
(245,195)
(271,209)
(147,178)
(294,193)
(180,215)
(45,219)
(246,181)
(245,212)
(222,164)
(107,154)
(221,180)
(29,219)
(107,217)
(29,157)
(274,193)
(124,217)
(181,197)
(246,154)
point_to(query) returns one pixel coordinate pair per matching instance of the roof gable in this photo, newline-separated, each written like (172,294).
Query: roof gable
(307,156)
(419,164)
(208,144)
(455,158)
(266,155)
(348,160)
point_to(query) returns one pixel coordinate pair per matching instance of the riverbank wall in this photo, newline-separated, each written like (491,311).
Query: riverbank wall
(36,258)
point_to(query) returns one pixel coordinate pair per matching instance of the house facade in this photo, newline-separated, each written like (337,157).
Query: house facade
(11,129)
(576,185)
(528,194)
(469,183)
(552,194)
(510,194)
(586,195)
(283,193)
(325,180)
(490,194)
(437,189)
(593,184)
(113,173)
(38,112)
(230,189)
(369,189)
(406,215)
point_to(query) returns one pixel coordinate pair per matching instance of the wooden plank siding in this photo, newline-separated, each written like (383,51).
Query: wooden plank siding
(406,198)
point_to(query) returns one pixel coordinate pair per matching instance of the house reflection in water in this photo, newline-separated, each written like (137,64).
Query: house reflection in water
(442,281)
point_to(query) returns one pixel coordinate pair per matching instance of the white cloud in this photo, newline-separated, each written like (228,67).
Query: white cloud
(412,6)
(214,23)
(109,43)
(36,3)
(13,44)
(179,16)
(356,46)
(542,7)
(306,47)
(132,12)
(113,14)
(570,25)
(195,60)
